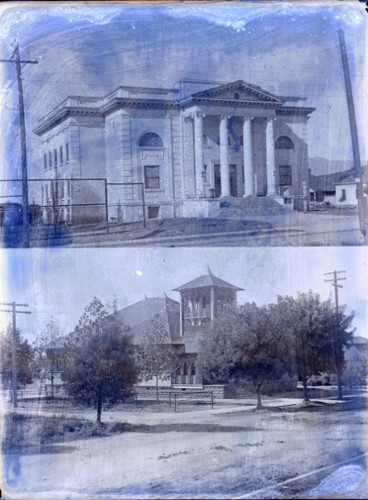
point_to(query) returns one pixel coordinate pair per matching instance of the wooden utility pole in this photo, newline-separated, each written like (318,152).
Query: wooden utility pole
(18,64)
(362,200)
(334,281)
(14,311)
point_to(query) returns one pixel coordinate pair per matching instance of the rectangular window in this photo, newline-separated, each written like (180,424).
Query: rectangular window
(55,157)
(343,195)
(153,212)
(66,152)
(151,176)
(61,154)
(284,175)
(45,161)
(50,159)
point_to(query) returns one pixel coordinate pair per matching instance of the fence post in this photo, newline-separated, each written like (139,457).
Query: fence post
(106,209)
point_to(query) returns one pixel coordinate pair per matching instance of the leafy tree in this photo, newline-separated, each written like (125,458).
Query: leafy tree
(48,347)
(306,319)
(355,370)
(245,343)
(25,358)
(156,357)
(99,367)
(94,313)
(340,333)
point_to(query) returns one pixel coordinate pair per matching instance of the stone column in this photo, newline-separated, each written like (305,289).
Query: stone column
(224,160)
(198,154)
(248,157)
(270,152)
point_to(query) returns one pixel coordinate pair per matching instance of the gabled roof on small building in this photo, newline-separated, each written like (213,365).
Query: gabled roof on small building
(327,182)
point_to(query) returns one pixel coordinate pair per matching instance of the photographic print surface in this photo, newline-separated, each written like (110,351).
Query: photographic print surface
(235,364)
(229,322)
(184,124)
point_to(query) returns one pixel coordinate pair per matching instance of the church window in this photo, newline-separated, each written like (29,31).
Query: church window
(151,176)
(61,154)
(284,142)
(285,175)
(192,370)
(50,159)
(150,140)
(55,157)
(185,369)
(66,152)
(236,95)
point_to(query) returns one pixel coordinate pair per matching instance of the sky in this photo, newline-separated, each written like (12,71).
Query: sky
(61,282)
(90,49)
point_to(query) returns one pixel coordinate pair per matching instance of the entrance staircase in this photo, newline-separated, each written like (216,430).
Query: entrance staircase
(249,206)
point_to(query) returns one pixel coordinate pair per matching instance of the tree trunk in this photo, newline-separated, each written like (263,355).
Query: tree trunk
(52,382)
(259,401)
(157,388)
(99,408)
(306,397)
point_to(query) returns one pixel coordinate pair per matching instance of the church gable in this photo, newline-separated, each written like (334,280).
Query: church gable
(237,91)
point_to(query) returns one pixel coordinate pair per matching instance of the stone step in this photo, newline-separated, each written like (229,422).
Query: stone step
(258,205)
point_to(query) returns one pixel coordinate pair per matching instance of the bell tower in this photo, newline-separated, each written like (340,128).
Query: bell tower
(202,300)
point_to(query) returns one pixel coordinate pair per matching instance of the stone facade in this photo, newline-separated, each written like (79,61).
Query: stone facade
(182,150)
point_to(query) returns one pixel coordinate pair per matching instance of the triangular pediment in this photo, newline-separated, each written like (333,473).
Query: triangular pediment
(237,91)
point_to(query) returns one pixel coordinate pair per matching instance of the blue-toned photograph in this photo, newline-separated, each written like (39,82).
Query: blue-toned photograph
(182,124)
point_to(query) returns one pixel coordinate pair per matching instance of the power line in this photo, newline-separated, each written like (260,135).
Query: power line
(18,63)
(14,311)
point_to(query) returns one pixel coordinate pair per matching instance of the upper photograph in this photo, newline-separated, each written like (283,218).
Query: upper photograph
(183,124)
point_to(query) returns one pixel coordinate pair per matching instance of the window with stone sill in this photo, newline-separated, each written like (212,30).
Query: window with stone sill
(151,176)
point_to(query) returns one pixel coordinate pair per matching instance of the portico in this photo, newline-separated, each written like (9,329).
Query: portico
(189,148)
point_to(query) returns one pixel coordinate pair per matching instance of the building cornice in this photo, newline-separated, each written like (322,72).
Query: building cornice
(213,98)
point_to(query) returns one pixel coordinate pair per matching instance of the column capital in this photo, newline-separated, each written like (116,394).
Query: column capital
(198,114)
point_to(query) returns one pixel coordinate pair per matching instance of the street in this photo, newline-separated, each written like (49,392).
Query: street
(242,451)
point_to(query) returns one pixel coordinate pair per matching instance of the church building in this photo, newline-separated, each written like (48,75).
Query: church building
(172,152)
(201,301)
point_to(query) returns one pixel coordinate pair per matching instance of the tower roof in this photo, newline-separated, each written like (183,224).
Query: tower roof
(205,280)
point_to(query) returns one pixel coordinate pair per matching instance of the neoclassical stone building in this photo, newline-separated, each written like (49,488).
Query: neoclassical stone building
(180,150)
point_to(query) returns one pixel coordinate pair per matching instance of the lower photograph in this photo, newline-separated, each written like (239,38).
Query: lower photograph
(194,373)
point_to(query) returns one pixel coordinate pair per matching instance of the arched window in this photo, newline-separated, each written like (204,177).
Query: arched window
(185,369)
(284,142)
(150,140)
(193,370)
